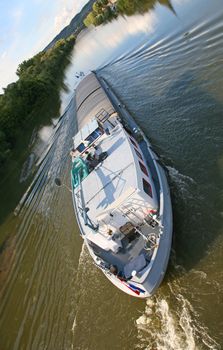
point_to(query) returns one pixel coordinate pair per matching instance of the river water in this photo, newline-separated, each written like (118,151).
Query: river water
(166,67)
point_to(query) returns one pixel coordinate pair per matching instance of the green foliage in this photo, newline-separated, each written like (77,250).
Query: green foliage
(99,20)
(130,7)
(97,7)
(108,14)
(4,148)
(40,77)
(90,19)
(101,13)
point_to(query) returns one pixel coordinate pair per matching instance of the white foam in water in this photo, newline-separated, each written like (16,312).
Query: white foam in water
(185,184)
(199,273)
(183,181)
(74,324)
(163,328)
(169,337)
(82,265)
(159,327)
(175,173)
(186,324)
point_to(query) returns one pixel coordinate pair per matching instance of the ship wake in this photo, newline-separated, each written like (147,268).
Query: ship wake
(163,327)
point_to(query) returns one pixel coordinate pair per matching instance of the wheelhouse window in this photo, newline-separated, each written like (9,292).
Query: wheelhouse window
(147,188)
(81,148)
(143,168)
(138,154)
(90,139)
(94,135)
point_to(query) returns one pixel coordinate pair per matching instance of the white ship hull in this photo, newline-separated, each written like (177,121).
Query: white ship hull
(121,197)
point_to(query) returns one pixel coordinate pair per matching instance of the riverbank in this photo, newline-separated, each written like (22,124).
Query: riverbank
(34,97)
(104,11)
(27,104)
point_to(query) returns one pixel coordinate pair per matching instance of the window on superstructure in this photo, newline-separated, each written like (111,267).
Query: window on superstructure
(147,188)
(138,154)
(94,135)
(143,168)
(81,147)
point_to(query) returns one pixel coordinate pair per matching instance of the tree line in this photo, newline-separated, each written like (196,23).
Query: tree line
(104,11)
(39,84)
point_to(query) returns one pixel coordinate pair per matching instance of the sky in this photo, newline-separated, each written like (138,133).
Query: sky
(27,26)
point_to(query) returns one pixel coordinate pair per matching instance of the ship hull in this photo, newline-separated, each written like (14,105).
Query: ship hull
(154,272)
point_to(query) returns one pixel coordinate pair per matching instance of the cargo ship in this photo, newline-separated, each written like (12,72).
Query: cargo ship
(120,192)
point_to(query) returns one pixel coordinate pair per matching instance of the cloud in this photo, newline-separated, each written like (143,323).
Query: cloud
(105,44)
(7,70)
(17,14)
(115,33)
(62,19)
(28,28)
(3,55)
(67,12)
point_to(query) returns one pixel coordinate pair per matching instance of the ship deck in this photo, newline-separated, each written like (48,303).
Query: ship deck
(111,178)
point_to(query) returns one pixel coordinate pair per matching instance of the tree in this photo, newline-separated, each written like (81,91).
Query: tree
(130,7)
(108,14)
(97,7)
(99,20)
(36,90)
(4,148)
(90,19)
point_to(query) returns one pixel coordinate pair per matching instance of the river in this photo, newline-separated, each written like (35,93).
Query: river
(166,67)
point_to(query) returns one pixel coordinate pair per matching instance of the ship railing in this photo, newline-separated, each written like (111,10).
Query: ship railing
(151,238)
(82,207)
